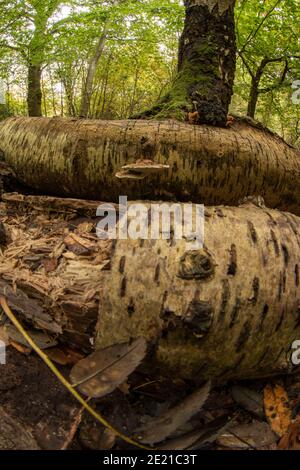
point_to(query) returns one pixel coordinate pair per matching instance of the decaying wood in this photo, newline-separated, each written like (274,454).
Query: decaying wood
(80,158)
(50,268)
(13,436)
(51,204)
(229,310)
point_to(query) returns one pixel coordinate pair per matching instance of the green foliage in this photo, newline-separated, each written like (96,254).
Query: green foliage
(138,64)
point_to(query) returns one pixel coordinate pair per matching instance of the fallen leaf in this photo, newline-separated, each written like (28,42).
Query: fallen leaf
(161,427)
(277,408)
(19,347)
(212,431)
(291,440)
(249,399)
(64,356)
(102,371)
(198,438)
(125,388)
(253,435)
(41,339)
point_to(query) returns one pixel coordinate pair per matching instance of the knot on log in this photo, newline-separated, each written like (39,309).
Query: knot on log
(196,264)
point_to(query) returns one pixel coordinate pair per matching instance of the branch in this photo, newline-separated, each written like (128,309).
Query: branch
(246,64)
(254,33)
(281,81)
(8,46)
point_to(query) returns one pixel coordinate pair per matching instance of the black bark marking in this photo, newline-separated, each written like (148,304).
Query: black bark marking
(231,271)
(280,288)
(264,314)
(275,242)
(298,318)
(196,265)
(3,237)
(244,336)
(122,264)
(283,281)
(235,312)
(131,307)
(225,299)
(261,359)
(255,287)
(296,275)
(280,321)
(157,273)
(252,232)
(219,212)
(286,255)
(123,287)
(199,316)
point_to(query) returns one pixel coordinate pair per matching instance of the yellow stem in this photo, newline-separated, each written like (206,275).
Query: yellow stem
(61,378)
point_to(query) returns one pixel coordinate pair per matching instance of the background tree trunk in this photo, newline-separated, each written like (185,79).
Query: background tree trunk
(92,68)
(34,94)
(253,97)
(80,158)
(229,310)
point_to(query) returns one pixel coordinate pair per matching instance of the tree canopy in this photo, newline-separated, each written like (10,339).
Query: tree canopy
(120,56)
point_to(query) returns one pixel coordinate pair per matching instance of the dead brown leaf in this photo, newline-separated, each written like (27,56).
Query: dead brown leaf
(253,435)
(102,371)
(64,356)
(249,399)
(161,427)
(291,440)
(19,347)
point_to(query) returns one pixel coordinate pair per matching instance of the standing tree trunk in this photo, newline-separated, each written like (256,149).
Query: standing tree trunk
(34,94)
(206,65)
(92,67)
(253,97)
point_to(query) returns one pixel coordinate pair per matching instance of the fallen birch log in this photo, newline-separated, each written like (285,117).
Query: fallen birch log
(229,310)
(152,159)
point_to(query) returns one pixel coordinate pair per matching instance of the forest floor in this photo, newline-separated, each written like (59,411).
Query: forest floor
(261,414)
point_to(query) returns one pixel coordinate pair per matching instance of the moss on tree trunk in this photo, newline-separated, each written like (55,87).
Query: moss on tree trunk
(206,65)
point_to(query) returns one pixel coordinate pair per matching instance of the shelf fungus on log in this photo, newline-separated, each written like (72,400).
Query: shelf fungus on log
(230,309)
(81,158)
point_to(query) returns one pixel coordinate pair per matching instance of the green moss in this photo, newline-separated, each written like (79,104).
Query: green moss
(194,79)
